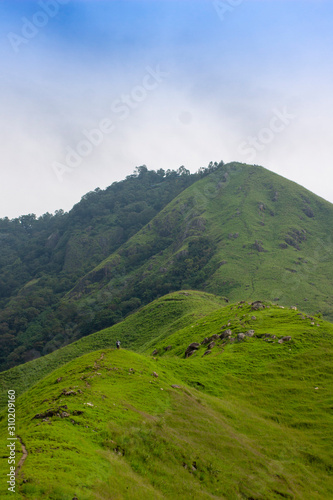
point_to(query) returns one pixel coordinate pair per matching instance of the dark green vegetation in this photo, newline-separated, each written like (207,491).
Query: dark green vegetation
(234,230)
(42,259)
(251,420)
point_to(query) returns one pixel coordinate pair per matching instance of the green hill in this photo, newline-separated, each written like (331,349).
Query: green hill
(42,258)
(239,231)
(242,232)
(157,320)
(250,419)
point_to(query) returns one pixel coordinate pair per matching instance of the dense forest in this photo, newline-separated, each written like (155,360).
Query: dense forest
(43,258)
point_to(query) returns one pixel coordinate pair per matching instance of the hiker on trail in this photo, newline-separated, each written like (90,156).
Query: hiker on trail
(118,344)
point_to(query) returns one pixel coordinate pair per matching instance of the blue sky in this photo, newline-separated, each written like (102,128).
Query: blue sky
(92,89)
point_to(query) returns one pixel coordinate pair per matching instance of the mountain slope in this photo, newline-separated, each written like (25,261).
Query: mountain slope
(253,419)
(242,232)
(42,258)
(155,321)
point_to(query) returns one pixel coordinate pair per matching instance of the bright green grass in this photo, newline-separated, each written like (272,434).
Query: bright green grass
(159,319)
(252,420)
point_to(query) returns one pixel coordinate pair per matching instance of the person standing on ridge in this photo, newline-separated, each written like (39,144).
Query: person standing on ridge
(118,344)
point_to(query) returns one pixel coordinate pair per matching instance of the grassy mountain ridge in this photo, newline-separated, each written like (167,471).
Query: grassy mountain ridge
(156,320)
(240,231)
(252,419)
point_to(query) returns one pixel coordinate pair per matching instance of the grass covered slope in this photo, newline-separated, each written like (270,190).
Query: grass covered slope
(235,230)
(251,420)
(155,321)
(242,232)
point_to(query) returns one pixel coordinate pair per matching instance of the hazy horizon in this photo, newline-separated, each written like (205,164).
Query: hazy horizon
(90,90)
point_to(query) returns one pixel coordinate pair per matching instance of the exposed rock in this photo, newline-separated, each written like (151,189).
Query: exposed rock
(59,379)
(240,336)
(207,352)
(168,348)
(191,349)
(50,413)
(205,341)
(258,246)
(249,333)
(256,305)
(175,386)
(154,374)
(227,333)
(287,338)
(64,414)
(194,345)
(69,393)
(188,354)
(211,345)
(253,318)
(294,308)
(154,352)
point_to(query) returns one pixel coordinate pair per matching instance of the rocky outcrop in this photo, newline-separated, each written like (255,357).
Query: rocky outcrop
(287,338)
(226,334)
(191,349)
(257,305)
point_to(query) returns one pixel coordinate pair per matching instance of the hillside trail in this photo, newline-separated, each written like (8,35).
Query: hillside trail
(24,456)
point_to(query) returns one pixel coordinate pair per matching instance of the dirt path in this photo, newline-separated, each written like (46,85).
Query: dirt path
(24,456)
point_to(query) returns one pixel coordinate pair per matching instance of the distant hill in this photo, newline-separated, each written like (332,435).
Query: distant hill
(42,258)
(213,400)
(242,232)
(235,230)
